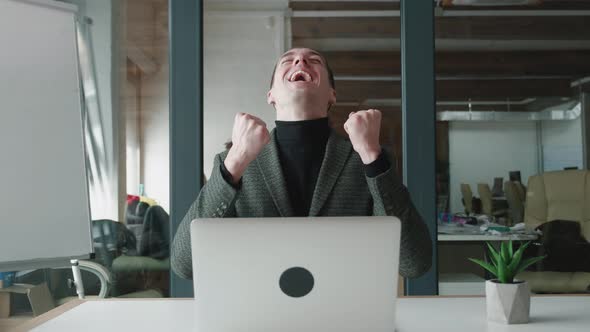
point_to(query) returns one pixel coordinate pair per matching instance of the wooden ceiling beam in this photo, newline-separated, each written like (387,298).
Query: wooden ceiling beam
(460,27)
(501,89)
(359,91)
(544,5)
(344,5)
(514,28)
(344,110)
(345,27)
(394,5)
(496,63)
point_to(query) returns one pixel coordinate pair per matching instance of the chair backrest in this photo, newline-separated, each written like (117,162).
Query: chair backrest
(485,194)
(514,176)
(520,190)
(559,195)
(155,239)
(515,206)
(110,239)
(135,212)
(497,189)
(467,197)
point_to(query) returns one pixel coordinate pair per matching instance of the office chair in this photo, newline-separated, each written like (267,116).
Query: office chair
(467,195)
(497,189)
(515,203)
(487,202)
(514,176)
(149,267)
(551,196)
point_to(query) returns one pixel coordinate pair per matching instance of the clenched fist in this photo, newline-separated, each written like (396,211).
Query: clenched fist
(363,128)
(249,136)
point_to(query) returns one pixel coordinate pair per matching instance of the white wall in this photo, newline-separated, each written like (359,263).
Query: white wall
(146,37)
(132,140)
(240,50)
(480,151)
(156,134)
(562,144)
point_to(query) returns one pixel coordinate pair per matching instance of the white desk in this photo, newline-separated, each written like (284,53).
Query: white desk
(441,314)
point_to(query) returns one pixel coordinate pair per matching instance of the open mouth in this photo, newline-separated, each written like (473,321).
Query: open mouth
(300,76)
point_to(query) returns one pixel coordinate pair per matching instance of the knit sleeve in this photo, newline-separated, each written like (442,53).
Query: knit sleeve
(216,200)
(391,198)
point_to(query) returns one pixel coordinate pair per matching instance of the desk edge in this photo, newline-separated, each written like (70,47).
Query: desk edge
(37,321)
(29,325)
(57,311)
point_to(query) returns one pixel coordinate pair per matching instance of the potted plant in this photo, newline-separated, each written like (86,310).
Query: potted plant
(507,300)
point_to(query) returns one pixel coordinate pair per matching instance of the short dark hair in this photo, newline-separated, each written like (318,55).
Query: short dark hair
(330,74)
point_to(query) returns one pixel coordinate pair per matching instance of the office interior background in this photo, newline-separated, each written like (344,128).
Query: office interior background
(512,83)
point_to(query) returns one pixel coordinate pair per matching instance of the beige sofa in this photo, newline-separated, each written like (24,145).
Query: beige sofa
(560,195)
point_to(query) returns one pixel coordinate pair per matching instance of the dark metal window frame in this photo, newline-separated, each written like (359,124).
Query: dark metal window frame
(186,117)
(419,124)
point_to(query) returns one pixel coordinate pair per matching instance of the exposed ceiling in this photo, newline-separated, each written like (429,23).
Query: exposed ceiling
(501,55)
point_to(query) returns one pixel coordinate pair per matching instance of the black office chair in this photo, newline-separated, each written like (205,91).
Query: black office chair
(111,239)
(514,176)
(155,239)
(497,190)
(149,267)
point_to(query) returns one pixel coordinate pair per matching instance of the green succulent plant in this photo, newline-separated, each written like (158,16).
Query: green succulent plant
(506,263)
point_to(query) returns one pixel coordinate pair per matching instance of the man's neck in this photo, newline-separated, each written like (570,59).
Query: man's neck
(301,112)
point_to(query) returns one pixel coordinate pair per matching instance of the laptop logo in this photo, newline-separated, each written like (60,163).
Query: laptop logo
(296,282)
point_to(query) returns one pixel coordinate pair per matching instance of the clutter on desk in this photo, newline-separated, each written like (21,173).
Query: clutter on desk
(458,218)
(478,224)
(496,229)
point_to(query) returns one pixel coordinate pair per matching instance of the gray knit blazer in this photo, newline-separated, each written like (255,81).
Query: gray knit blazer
(342,189)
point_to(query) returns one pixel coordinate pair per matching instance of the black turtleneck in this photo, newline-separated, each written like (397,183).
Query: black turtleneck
(302,145)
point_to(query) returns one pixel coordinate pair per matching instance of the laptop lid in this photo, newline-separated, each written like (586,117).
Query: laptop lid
(295,274)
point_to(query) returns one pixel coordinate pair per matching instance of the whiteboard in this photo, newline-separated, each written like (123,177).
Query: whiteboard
(44,208)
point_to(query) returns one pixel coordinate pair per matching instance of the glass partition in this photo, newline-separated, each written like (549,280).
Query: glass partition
(509,117)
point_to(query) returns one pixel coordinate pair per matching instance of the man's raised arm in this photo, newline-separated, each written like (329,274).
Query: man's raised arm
(218,197)
(390,196)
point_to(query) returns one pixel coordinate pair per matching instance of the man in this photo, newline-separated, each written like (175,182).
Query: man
(302,168)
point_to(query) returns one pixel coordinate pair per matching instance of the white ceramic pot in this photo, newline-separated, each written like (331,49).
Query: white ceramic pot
(508,303)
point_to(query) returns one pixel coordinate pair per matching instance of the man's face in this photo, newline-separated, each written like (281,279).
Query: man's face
(301,73)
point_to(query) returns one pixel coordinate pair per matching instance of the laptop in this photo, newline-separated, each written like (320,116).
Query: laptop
(295,274)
